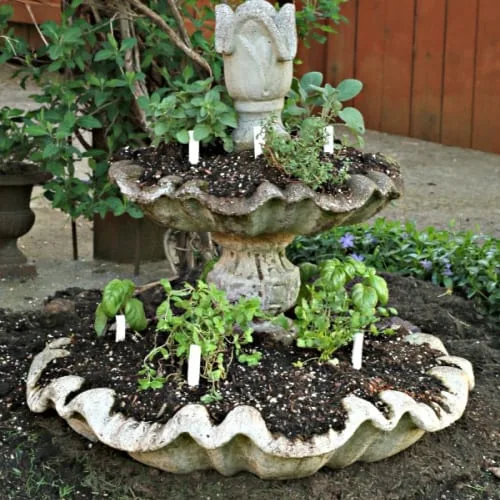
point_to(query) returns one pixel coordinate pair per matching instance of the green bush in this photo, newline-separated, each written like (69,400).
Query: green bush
(461,261)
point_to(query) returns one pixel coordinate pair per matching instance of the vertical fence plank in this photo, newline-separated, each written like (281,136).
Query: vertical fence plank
(340,48)
(397,67)
(461,22)
(369,59)
(428,69)
(486,121)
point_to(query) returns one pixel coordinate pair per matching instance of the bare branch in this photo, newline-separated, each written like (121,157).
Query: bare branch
(180,22)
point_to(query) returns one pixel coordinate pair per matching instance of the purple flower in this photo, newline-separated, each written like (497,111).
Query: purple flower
(370,239)
(347,241)
(357,257)
(447,270)
(426,264)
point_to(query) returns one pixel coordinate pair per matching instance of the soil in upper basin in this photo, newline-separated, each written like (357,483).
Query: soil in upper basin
(41,455)
(240,174)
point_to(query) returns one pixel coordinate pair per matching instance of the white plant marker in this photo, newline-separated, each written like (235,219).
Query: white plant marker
(194,362)
(194,149)
(328,147)
(121,326)
(357,350)
(258,140)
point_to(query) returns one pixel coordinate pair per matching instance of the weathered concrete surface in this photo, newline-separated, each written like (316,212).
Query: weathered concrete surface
(441,184)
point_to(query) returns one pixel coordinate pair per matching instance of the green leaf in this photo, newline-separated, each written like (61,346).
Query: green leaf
(353,119)
(128,43)
(314,78)
(101,320)
(36,130)
(348,89)
(380,286)
(115,295)
(88,121)
(182,136)
(201,132)
(103,55)
(50,150)
(229,119)
(364,297)
(135,316)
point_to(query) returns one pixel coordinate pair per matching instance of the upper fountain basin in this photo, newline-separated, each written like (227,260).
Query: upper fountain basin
(297,209)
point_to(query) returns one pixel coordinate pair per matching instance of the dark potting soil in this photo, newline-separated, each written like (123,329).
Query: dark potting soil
(240,174)
(298,402)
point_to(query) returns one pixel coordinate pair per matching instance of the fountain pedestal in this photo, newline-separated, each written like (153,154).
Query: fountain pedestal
(257,267)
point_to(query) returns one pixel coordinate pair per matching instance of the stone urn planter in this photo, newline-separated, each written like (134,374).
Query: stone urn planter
(189,441)
(16,218)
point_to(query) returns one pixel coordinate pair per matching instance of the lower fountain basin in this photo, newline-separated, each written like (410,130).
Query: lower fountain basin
(242,442)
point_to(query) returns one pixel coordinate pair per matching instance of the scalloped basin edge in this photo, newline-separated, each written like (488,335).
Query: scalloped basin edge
(242,442)
(296,209)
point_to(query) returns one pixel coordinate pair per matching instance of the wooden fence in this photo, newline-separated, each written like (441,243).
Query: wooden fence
(430,68)
(28,13)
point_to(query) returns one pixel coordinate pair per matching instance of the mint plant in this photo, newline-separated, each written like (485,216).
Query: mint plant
(332,310)
(117,298)
(202,315)
(198,105)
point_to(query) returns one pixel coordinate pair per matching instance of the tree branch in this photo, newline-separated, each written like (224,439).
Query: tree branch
(160,22)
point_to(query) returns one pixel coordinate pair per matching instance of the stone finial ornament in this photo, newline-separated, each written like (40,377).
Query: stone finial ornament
(258,44)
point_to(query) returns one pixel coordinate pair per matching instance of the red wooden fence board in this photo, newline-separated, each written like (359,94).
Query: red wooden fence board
(397,67)
(428,70)
(42,10)
(340,48)
(486,121)
(370,59)
(458,90)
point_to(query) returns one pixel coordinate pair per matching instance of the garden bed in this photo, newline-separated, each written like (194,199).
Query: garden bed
(451,464)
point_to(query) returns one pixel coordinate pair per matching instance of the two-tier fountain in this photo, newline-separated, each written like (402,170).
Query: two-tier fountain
(258,44)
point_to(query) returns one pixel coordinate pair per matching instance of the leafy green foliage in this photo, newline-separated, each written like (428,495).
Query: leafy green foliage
(315,19)
(299,153)
(332,309)
(117,298)
(461,261)
(202,315)
(16,142)
(308,94)
(196,105)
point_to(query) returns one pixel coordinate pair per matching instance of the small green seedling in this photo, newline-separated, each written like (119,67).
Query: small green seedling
(117,298)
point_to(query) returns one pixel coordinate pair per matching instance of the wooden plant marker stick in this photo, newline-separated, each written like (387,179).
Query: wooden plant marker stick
(258,140)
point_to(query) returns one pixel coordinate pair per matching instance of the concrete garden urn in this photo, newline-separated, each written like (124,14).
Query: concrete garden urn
(16,218)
